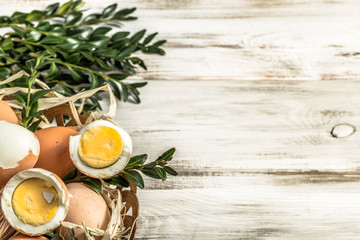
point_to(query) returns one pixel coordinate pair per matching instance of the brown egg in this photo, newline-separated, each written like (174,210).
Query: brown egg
(88,206)
(23,237)
(54,149)
(7,114)
(19,150)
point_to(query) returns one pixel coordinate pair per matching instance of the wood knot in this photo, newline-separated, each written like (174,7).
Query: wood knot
(342,130)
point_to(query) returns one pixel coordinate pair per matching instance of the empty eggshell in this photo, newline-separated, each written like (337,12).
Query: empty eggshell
(19,150)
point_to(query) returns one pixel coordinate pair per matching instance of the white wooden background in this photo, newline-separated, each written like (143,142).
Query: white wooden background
(249,93)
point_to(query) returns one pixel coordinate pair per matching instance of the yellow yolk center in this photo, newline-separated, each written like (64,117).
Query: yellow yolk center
(100,146)
(35,201)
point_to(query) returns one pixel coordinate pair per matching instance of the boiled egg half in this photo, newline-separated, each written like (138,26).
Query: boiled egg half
(35,201)
(101,149)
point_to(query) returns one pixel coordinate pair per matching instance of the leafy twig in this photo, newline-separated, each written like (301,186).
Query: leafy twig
(83,53)
(157,169)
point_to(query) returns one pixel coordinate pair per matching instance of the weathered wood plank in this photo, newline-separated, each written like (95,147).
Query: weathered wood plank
(256,159)
(244,40)
(250,126)
(251,207)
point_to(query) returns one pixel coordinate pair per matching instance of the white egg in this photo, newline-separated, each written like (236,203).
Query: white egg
(12,217)
(105,172)
(19,150)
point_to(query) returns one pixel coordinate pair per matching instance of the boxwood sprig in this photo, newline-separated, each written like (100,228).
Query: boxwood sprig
(157,169)
(85,50)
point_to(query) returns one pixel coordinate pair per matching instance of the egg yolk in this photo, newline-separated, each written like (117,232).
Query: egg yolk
(35,201)
(100,146)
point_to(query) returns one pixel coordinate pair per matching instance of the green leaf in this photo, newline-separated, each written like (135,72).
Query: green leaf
(150,172)
(73,18)
(30,64)
(114,88)
(166,156)
(58,31)
(65,7)
(94,82)
(134,177)
(88,56)
(126,52)
(119,35)
(118,76)
(33,127)
(44,26)
(124,92)
(33,108)
(53,71)
(92,18)
(137,36)
(4,73)
(159,43)
(136,161)
(18,15)
(161,172)
(102,64)
(75,5)
(117,180)
(170,170)
(74,58)
(19,31)
(149,165)
(101,31)
(20,97)
(138,84)
(149,38)
(94,184)
(52,39)
(31,48)
(99,40)
(39,94)
(108,11)
(69,46)
(70,175)
(123,12)
(7,44)
(154,49)
(136,60)
(50,50)
(27,120)
(34,16)
(76,74)
(134,93)
(51,9)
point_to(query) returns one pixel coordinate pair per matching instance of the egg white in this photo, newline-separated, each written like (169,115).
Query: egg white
(14,221)
(111,170)
(15,144)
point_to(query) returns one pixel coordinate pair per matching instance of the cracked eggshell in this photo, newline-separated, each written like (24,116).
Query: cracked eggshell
(106,172)
(28,229)
(19,150)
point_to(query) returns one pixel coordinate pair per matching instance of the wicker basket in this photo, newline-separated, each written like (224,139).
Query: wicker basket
(127,201)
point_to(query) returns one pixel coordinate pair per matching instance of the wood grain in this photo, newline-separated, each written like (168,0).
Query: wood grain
(256,159)
(257,156)
(243,40)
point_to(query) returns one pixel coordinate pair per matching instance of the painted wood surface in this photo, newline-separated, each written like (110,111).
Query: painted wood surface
(268,141)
